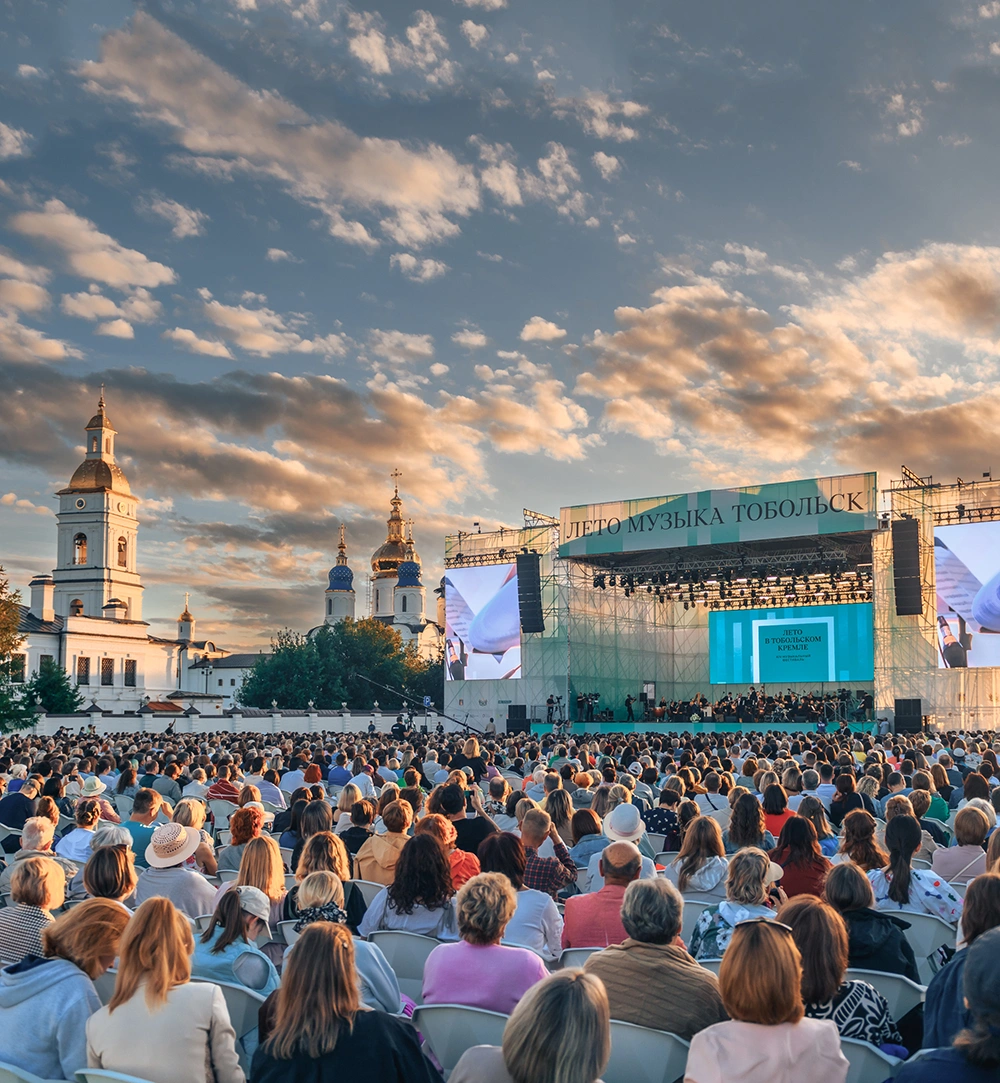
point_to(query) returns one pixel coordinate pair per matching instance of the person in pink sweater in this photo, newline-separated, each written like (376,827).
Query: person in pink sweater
(767,1038)
(479,971)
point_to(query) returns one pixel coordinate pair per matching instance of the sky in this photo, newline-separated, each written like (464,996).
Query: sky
(530,253)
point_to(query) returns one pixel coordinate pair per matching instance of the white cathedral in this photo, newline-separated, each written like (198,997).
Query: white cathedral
(87,615)
(396,595)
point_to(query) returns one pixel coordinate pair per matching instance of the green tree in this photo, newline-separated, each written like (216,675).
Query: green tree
(289,674)
(51,684)
(16,712)
(328,668)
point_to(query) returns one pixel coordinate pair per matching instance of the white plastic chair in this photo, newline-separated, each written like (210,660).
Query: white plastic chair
(692,911)
(868,1064)
(575,956)
(221,811)
(926,934)
(369,889)
(658,842)
(286,932)
(960,889)
(243,1005)
(286,855)
(920,863)
(901,994)
(643,1055)
(10,1074)
(451,1029)
(99,1075)
(123,804)
(6,832)
(105,985)
(664,857)
(713,965)
(227,875)
(202,922)
(406,953)
(225,837)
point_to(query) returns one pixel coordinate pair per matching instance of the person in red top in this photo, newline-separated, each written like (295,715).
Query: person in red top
(595,920)
(776,810)
(548,874)
(463,864)
(798,853)
(222,789)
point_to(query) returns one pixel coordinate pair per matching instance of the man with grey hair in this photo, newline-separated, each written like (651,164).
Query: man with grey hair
(36,841)
(676,993)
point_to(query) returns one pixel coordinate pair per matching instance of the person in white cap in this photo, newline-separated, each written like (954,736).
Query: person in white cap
(171,845)
(226,950)
(750,893)
(622,824)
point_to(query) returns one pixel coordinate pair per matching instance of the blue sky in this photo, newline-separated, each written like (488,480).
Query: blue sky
(531,254)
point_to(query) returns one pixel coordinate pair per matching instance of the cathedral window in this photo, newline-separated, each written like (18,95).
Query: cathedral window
(107,672)
(122,552)
(83,670)
(329,607)
(403,606)
(76,608)
(80,549)
(94,444)
(130,667)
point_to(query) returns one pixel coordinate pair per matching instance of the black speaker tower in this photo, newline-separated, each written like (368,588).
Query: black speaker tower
(906,567)
(529,593)
(909,715)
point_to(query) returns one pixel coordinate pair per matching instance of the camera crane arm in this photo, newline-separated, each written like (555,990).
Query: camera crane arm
(410,699)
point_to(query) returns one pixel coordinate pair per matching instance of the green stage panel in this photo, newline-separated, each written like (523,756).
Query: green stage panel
(540,728)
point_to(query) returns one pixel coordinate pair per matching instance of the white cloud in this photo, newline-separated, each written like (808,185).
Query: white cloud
(184,221)
(416,193)
(20,343)
(854,167)
(20,504)
(115,329)
(606,164)
(279,255)
(437,369)
(23,296)
(423,49)
(469,338)
(990,10)
(625,239)
(14,267)
(139,307)
(417,270)
(185,337)
(475,33)
(13,142)
(264,332)
(29,71)
(400,348)
(557,180)
(538,329)
(596,112)
(485,5)
(88,252)
(543,75)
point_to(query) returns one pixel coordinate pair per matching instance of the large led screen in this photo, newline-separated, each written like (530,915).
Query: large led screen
(967,574)
(796,647)
(482,624)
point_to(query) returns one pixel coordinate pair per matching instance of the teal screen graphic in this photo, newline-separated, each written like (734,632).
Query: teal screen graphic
(794,647)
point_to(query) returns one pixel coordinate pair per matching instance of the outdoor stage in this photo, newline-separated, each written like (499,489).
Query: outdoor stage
(577,728)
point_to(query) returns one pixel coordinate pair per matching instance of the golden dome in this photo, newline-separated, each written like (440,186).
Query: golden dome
(94,475)
(387,557)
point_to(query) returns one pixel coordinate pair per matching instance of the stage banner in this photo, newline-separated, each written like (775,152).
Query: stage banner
(790,509)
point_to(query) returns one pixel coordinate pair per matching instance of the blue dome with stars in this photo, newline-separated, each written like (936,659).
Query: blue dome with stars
(409,574)
(341,578)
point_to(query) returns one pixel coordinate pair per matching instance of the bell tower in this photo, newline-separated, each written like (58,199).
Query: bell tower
(340,596)
(97,528)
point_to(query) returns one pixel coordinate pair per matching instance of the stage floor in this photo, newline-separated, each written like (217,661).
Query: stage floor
(699,727)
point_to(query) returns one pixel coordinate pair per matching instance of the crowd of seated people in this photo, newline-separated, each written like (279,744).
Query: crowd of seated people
(801,861)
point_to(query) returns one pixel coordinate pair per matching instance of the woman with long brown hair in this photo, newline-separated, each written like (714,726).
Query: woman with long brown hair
(420,898)
(159,1025)
(859,844)
(315,1029)
(747,827)
(701,864)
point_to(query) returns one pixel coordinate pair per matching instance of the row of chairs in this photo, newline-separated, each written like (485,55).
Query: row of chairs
(638,1054)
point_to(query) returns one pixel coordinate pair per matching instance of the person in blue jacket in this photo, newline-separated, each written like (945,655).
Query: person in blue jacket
(945,1013)
(974,1056)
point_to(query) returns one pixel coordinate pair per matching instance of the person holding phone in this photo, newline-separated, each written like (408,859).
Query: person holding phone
(465,809)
